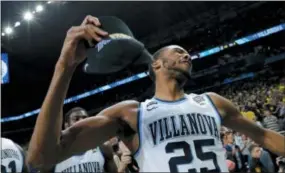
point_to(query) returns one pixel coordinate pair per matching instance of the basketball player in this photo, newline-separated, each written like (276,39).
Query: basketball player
(12,157)
(173,132)
(99,159)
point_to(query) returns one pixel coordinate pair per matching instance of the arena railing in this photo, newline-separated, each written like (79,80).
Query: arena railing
(212,51)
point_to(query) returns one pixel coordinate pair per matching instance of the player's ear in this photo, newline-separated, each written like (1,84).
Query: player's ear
(156,64)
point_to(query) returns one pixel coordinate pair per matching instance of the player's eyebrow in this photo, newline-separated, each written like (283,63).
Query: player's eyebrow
(179,50)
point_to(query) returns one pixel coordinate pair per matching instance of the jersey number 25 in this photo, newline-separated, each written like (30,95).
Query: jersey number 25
(188,157)
(11,166)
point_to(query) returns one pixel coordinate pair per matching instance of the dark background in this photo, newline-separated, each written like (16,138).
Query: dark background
(34,47)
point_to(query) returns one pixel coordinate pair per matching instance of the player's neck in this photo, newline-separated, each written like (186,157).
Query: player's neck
(168,90)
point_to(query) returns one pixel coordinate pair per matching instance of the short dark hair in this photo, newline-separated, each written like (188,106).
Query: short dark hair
(155,56)
(253,146)
(76,109)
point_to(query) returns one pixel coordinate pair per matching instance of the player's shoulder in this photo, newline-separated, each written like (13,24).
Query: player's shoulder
(128,107)
(212,94)
(216,98)
(208,97)
(6,143)
(129,104)
(122,108)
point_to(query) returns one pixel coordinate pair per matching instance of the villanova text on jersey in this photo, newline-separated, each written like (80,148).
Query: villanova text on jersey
(186,125)
(89,161)
(180,136)
(9,153)
(84,167)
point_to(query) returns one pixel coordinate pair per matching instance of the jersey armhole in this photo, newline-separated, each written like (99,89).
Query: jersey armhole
(215,108)
(24,168)
(139,130)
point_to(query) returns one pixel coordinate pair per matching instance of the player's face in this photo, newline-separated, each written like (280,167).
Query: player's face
(77,116)
(176,59)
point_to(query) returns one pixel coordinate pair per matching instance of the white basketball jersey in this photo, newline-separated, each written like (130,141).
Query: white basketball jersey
(90,161)
(12,157)
(180,136)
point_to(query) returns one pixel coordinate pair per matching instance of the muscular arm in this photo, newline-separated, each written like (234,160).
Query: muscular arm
(46,135)
(88,133)
(48,146)
(233,119)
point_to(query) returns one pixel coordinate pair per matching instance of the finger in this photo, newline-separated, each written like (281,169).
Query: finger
(128,161)
(77,33)
(91,20)
(135,168)
(99,31)
(90,31)
(126,158)
(123,147)
(80,33)
(127,153)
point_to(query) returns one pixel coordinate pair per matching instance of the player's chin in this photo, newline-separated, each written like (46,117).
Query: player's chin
(183,73)
(186,71)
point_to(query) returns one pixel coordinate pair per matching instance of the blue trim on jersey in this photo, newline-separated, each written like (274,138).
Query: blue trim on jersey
(171,102)
(212,103)
(100,151)
(22,154)
(79,154)
(139,126)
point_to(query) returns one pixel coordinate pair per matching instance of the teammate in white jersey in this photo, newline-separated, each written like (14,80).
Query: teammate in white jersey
(12,157)
(173,131)
(99,159)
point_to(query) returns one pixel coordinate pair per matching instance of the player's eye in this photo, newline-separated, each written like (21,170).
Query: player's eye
(179,51)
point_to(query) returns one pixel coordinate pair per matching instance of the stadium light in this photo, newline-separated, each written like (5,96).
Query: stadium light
(39,8)
(17,24)
(28,16)
(3,34)
(8,30)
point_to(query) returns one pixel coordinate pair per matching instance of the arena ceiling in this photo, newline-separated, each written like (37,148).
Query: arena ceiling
(34,48)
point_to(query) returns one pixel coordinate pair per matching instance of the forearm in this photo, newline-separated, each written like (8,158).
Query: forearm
(275,142)
(46,135)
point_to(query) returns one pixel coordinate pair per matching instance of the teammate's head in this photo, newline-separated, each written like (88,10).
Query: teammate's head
(172,62)
(74,115)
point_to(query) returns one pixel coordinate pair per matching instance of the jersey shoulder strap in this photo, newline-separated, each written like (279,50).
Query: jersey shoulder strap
(22,152)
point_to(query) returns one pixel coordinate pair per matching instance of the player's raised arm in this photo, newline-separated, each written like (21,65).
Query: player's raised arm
(233,119)
(46,136)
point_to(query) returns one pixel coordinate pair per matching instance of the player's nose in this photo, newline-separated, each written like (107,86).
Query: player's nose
(186,57)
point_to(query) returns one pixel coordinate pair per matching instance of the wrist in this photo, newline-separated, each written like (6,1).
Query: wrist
(122,168)
(63,66)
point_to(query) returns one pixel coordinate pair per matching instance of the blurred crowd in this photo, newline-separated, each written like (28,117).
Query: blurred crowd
(262,101)
(244,23)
